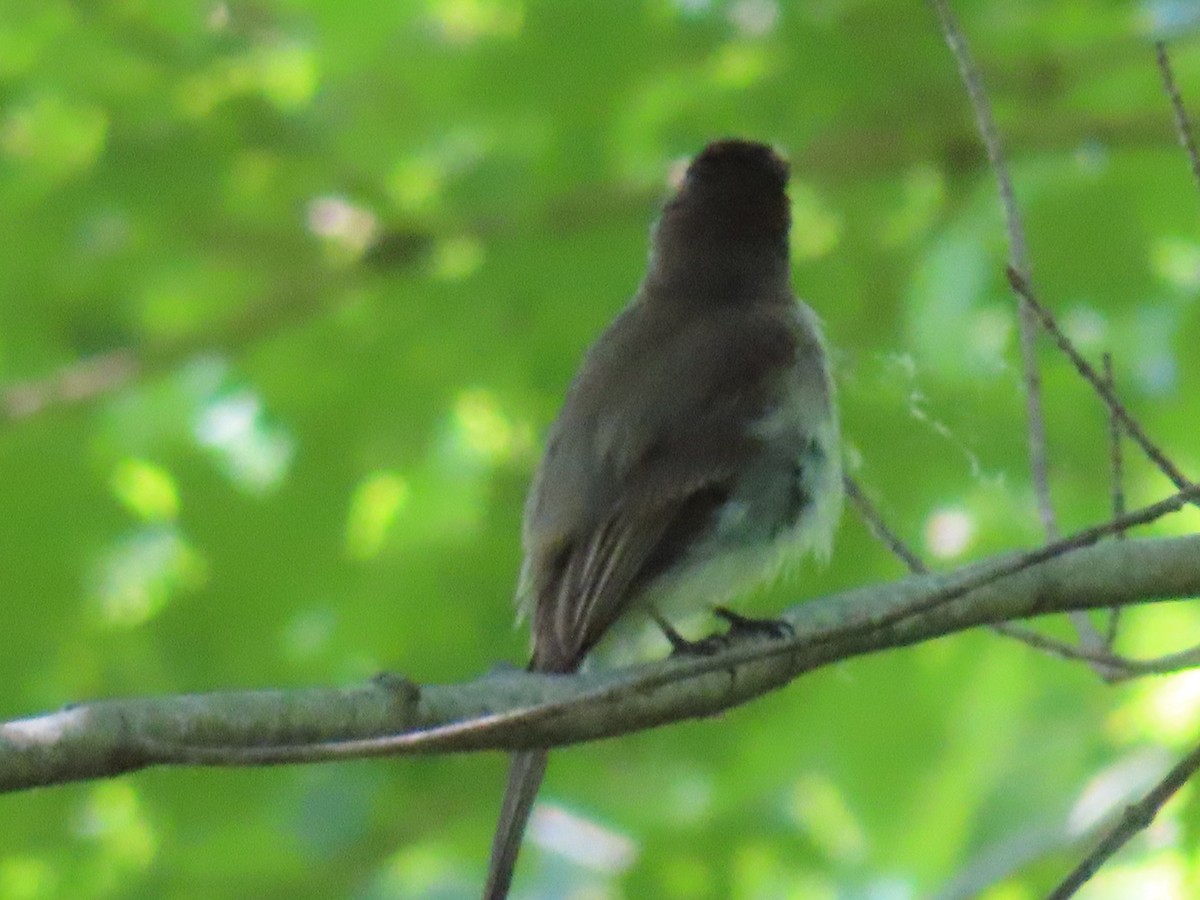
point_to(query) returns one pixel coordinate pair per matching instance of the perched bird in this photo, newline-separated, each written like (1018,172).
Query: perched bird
(697,448)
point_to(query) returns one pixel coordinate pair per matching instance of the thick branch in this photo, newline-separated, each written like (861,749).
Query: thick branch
(515,710)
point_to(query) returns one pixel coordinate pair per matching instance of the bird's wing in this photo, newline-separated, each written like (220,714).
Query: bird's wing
(597,578)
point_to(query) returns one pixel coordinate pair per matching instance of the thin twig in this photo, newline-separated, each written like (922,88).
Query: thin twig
(1057,648)
(1136,817)
(1110,666)
(1183,125)
(1021,287)
(1116,460)
(1162,665)
(880,529)
(1122,667)
(1084,538)
(1018,257)
(1117,480)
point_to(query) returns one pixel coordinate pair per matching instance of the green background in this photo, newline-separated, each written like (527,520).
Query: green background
(355,250)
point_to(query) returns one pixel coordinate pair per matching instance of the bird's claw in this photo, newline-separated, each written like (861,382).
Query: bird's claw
(740,625)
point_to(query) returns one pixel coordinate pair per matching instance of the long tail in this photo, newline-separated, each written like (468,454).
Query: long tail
(524,778)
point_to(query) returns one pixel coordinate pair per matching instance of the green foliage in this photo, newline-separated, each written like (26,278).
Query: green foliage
(290,290)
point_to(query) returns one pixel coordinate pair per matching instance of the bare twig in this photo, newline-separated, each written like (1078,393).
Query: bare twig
(1089,637)
(1122,668)
(1084,538)
(1116,460)
(1183,125)
(880,529)
(1117,480)
(1161,665)
(886,536)
(1136,817)
(1023,290)
(1112,667)
(1017,254)
(1057,648)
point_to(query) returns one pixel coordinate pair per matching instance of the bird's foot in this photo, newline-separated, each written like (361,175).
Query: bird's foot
(744,626)
(681,646)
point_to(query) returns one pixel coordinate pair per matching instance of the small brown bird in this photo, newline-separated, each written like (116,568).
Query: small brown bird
(697,449)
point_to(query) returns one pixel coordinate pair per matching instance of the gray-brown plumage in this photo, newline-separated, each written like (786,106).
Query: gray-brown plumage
(697,448)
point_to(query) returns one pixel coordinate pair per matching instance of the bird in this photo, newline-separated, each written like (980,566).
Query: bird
(697,450)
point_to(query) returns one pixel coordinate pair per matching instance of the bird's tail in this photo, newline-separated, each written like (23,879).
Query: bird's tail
(524,778)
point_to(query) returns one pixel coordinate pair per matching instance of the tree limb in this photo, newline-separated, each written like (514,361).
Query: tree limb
(517,710)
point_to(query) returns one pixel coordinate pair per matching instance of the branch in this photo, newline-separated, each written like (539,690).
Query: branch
(1018,261)
(1183,125)
(1111,666)
(97,376)
(1119,668)
(879,528)
(1136,817)
(1018,257)
(1022,288)
(517,710)
(1116,477)
(310,291)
